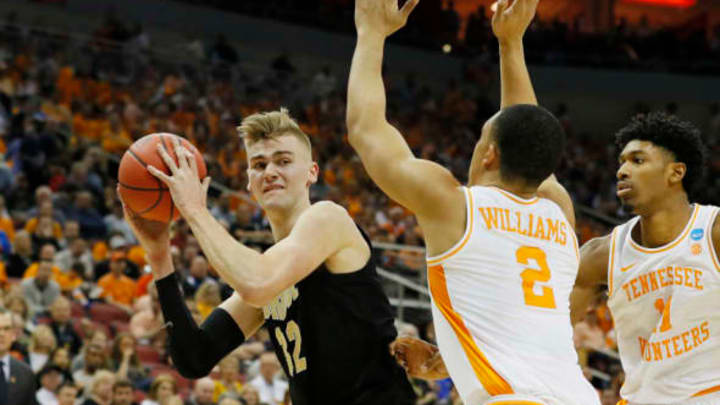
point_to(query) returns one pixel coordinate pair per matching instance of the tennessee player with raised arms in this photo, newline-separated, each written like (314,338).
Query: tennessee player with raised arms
(661,268)
(316,289)
(502,255)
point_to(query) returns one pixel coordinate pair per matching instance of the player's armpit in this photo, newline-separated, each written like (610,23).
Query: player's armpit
(592,273)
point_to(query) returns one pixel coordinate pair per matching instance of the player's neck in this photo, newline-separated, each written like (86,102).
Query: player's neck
(665,223)
(492,179)
(283,221)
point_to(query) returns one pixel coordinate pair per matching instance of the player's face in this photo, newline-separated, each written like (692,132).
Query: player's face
(645,175)
(280,172)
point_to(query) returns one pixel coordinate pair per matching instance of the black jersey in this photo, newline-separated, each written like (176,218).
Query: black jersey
(331,333)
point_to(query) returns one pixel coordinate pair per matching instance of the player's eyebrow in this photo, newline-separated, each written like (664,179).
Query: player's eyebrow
(275,154)
(628,154)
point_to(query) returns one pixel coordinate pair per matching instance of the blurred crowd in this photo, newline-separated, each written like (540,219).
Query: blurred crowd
(83,304)
(688,48)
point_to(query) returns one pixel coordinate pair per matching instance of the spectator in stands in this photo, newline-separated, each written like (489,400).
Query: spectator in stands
(46,210)
(61,313)
(115,222)
(42,343)
(116,287)
(76,252)
(67,394)
(269,385)
(228,383)
(118,244)
(60,358)
(22,256)
(22,335)
(71,230)
(6,223)
(123,393)
(163,387)
(83,211)
(50,378)
(198,275)
(14,370)
(43,233)
(100,388)
(202,393)
(40,291)
(207,297)
(125,360)
(230,401)
(251,396)
(95,360)
(93,336)
(148,321)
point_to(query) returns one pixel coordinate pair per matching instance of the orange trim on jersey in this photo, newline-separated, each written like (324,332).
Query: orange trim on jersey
(512,402)
(471,208)
(711,245)
(673,244)
(493,383)
(622,402)
(577,243)
(707,391)
(516,198)
(612,263)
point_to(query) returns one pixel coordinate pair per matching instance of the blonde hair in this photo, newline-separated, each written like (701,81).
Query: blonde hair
(98,377)
(270,125)
(42,331)
(159,380)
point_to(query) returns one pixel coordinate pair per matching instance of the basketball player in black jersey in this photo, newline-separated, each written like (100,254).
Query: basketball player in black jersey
(316,289)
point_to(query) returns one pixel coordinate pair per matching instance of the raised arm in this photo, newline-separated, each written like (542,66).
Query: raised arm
(592,274)
(509,23)
(420,185)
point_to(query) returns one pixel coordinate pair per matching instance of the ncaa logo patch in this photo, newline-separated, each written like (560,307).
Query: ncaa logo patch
(697,234)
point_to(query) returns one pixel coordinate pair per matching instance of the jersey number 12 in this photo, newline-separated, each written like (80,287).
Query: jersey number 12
(296,363)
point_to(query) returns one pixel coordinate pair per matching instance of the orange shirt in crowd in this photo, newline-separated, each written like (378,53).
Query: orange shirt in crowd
(142,284)
(116,142)
(68,281)
(31,225)
(3,275)
(6,225)
(120,289)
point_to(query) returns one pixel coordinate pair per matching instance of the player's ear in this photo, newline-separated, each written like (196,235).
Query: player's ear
(314,173)
(492,156)
(677,171)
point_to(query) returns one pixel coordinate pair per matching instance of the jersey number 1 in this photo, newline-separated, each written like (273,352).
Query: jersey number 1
(296,364)
(530,276)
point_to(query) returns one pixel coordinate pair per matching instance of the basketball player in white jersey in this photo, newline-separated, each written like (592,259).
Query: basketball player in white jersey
(502,254)
(661,268)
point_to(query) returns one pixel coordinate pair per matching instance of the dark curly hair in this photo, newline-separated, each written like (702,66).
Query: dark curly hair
(681,138)
(531,143)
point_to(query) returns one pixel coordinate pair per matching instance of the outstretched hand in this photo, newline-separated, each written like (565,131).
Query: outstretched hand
(382,17)
(512,18)
(419,358)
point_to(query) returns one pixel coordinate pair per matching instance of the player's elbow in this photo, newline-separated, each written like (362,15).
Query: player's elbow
(257,295)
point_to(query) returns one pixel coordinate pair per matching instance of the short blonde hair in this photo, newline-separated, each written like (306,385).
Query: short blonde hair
(269,125)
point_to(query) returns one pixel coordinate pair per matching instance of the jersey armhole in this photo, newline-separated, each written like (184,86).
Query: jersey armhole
(469,218)
(711,245)
(611,262)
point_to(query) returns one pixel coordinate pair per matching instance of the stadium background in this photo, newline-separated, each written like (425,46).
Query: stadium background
(81,79)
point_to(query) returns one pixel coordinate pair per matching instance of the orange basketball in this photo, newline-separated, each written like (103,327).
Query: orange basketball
(144,193)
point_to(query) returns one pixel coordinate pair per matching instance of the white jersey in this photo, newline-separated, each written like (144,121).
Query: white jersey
(666,305)
(501,303)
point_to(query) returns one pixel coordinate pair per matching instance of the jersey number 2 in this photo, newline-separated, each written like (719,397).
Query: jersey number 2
(530,276)
(296,364)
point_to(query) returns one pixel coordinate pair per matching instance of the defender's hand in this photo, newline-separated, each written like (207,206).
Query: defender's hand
(419,358)
(381,17)
(512,18)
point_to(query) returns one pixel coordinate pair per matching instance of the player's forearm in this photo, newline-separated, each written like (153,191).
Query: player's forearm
(236,263)
(366,91)
(516,86)
(580,300)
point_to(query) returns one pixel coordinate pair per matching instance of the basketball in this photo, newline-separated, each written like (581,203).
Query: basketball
(142,192)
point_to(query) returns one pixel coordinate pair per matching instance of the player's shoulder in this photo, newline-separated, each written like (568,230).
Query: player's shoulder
(329,216)
(594,256)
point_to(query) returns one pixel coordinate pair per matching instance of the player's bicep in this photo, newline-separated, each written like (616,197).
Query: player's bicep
(319,233)
(247,317)
(594,256)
